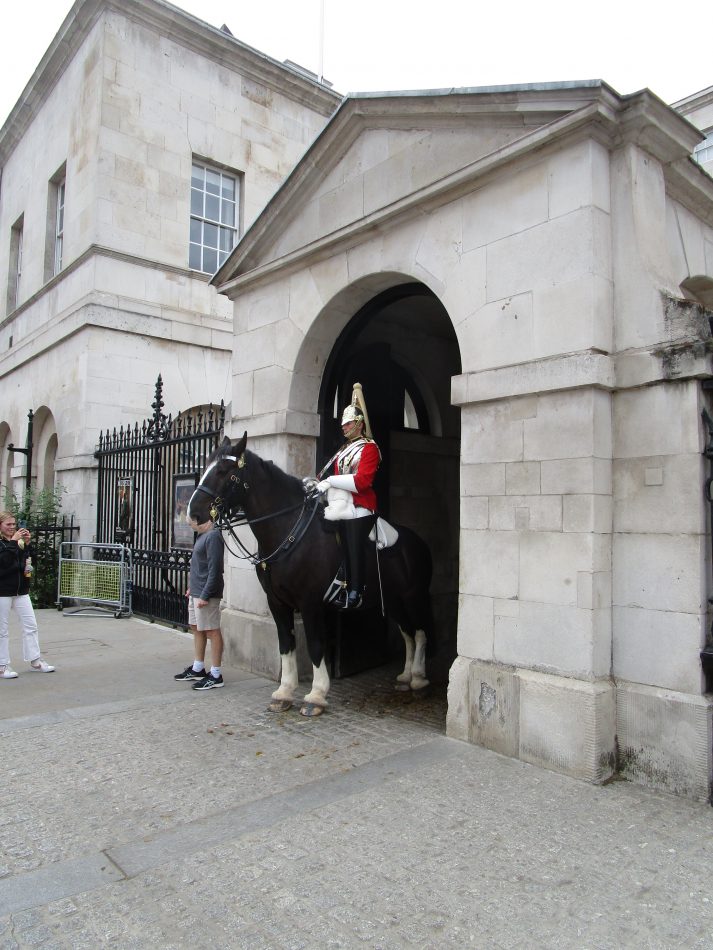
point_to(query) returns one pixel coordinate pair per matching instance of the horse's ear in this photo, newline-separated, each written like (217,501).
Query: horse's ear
(225,443)
(240,447)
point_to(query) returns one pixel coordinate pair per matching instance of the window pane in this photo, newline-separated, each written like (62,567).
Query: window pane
(212,207)
(196,231)
(210,235)
(196,202)
(410,417)
(227,239)
(227,213)
(212,182)
(194,257)
(228,188)
(210,261)
(197,177)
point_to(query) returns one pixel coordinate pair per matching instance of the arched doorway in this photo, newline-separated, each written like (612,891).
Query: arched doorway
(402,348)
(45,449)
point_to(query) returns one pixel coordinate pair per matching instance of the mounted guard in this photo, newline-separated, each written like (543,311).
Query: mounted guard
(350,494)
(296,558)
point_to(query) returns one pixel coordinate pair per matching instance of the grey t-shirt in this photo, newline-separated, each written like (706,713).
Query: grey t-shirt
(206,576)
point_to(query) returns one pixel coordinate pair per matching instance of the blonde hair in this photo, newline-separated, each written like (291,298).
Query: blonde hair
(6,516)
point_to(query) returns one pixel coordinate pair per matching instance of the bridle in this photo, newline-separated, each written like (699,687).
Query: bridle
(227,521)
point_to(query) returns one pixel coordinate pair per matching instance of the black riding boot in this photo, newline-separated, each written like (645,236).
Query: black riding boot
(354,533)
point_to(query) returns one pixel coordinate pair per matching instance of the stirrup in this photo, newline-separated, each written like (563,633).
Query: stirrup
(353,600)
(336,593)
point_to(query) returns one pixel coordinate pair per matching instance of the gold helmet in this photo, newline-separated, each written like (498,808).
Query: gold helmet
(356,410)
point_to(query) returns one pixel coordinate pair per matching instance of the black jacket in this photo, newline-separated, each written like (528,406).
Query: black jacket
(12,569)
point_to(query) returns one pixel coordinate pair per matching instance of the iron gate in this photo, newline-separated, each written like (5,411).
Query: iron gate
(146,477)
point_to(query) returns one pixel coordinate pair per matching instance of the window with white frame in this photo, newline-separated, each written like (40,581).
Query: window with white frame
(214,217)
(15,272)
(54,233)
(59,227)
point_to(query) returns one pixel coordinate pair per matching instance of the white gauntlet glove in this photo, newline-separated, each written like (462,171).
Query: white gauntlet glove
(323,486)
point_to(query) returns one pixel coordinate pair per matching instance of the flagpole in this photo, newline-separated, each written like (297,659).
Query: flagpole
(321,40)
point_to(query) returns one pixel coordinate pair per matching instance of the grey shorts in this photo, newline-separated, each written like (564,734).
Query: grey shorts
(204,618)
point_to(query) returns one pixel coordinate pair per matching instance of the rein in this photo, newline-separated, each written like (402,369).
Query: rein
(224,521)
(294,536)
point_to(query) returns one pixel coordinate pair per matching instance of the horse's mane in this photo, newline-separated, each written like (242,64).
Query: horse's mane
(275,473)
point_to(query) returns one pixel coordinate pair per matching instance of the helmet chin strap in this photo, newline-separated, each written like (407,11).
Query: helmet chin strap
(353,433)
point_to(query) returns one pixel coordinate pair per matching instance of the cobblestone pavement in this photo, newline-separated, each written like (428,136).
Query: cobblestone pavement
(136,813)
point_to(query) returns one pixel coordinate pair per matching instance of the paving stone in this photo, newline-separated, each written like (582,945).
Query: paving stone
(366,828)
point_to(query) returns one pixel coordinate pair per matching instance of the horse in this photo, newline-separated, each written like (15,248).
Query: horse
(298,558)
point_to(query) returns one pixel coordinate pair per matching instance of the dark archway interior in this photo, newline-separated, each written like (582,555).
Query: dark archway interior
(402,348)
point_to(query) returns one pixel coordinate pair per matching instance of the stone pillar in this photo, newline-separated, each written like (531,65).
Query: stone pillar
(661,562)
(532,678)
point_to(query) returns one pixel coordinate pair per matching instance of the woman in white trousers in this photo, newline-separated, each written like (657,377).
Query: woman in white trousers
(14,595)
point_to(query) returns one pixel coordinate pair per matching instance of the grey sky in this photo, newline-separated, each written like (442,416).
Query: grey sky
(397,44)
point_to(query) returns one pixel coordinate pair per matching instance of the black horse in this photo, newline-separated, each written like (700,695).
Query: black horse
(297,559)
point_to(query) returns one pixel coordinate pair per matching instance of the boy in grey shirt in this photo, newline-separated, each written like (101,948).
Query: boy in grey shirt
(205,589)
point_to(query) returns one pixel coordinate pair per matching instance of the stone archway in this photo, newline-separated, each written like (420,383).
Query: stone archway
(402,348)
(45,448)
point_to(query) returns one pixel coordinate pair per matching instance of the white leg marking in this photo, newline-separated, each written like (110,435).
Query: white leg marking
(288,678)
(418,677)
(405,677)
(320,685)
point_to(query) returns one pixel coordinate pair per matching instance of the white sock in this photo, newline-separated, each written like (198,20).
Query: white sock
(215,672)
(198,666)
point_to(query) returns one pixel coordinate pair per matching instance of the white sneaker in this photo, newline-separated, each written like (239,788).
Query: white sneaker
(39,666)
(7,673)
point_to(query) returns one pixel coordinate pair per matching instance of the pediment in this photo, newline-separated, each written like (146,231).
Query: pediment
(381,151)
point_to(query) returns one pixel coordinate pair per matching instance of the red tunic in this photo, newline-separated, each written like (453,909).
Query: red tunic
(360,459)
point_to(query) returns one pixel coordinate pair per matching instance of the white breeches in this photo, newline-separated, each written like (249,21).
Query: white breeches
(22,606)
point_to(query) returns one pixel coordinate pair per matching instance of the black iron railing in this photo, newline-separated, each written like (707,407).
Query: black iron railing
(46,540)
(146,476)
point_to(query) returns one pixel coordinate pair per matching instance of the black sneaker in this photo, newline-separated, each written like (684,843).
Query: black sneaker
(209,682)
(190,674)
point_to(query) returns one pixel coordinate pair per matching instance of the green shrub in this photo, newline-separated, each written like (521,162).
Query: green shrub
(40,510)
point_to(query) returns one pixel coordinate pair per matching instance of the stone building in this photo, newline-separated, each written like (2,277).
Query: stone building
(143,145)
(518,276)
(698,109)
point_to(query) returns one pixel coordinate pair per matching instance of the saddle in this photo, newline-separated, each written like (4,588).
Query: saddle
(339,507)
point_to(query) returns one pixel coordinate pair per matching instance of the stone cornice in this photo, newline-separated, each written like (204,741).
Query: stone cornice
(697,101)
(98,250)
(90,312)
(587,369)
(218,46)
(646,121)
(570,371)
(692,186)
